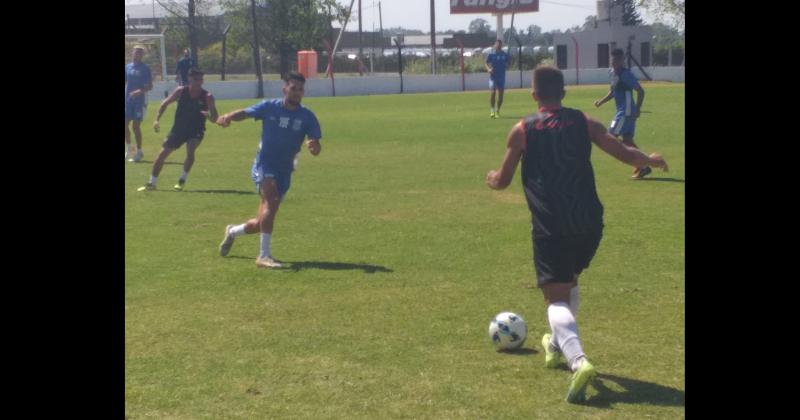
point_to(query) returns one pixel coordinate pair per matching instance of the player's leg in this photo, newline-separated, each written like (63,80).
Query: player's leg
(558,263)
(271,197)
(500,91)
(127,136)
(247,228)
(493,89)
(191,147)
(137,133)
(158,164)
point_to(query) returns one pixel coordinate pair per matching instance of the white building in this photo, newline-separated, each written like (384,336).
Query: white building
(592,48)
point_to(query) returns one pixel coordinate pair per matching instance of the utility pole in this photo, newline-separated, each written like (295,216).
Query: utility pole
(256,50)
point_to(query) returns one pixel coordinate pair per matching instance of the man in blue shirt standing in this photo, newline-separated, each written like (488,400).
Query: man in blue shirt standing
(182,69)
(623,83)
(138,81)
(496,63)
(285,124)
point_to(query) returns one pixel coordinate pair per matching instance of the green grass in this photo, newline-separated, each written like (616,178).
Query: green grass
(401,257)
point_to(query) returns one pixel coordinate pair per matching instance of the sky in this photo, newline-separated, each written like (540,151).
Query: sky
(415,14)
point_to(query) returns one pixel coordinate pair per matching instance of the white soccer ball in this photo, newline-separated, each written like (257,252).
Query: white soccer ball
(508,331)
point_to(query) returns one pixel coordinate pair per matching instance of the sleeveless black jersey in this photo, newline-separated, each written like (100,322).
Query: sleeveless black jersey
(188,119)
(557,174)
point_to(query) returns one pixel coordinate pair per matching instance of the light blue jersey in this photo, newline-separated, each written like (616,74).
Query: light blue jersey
(282,135)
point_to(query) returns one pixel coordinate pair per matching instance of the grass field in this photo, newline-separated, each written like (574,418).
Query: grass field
(399,257)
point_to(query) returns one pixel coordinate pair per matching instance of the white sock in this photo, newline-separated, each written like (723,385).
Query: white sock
(574,300)
(184,175)
(266,238)
(153,179)
(565,331)
(237,230)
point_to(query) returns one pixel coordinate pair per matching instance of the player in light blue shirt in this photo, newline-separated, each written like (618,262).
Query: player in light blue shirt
(138,81)
(623,83)
(284,125)
(496,64)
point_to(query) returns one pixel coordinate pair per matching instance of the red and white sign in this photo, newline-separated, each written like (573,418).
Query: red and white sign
(493,6)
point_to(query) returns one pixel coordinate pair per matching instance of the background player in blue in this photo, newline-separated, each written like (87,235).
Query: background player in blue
(554,147)
(182,68)
(285,123)
(138,81)
(623,82)
(195,105)
(496,63)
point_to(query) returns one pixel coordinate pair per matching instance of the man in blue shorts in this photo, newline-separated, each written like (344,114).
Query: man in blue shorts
(285,124)
(496,63)
(623,83)
(138,81)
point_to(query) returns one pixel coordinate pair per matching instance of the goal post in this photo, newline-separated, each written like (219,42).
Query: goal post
(153,42)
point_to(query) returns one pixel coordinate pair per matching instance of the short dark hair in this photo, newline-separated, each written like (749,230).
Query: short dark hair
(294,75)
(194,71)
(548,83)
(618,52)
(498,40)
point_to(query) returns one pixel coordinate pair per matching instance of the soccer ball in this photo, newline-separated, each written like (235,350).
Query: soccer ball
(508,331)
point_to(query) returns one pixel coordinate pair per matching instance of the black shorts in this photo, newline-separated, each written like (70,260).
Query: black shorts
(176,140)
(559,259)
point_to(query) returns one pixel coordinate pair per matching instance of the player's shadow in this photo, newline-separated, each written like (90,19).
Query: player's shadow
(323,265)
(165,163)
(237,192)
(634,392)
(682,181)
(520,352)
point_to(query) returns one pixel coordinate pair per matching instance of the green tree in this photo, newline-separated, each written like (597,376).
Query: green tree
(674,9)
(479,26)
(284,26)
(630,16)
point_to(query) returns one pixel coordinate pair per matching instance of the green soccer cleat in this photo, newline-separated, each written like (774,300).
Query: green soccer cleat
(179,185)
(580,380)
(491,115)
(147,187)
(551,354)
(497,114)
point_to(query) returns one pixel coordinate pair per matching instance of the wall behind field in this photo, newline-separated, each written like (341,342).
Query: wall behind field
(385,85)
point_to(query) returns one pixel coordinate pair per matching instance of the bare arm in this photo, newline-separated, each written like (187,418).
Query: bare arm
(605,99)
(164,104)
(211,114)
(500,179)
(314,146)
(225,120)
(625,154)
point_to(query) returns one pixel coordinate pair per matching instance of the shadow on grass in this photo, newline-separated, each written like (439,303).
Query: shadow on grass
(165,163)
(635,392)
(322,265)
(519,352)
(683,181)
(237,192)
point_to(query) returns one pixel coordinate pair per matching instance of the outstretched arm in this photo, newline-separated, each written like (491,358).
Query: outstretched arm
(211,114)
(164,104)
(501,178)
(605,99)
(630,155)
(225,120)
